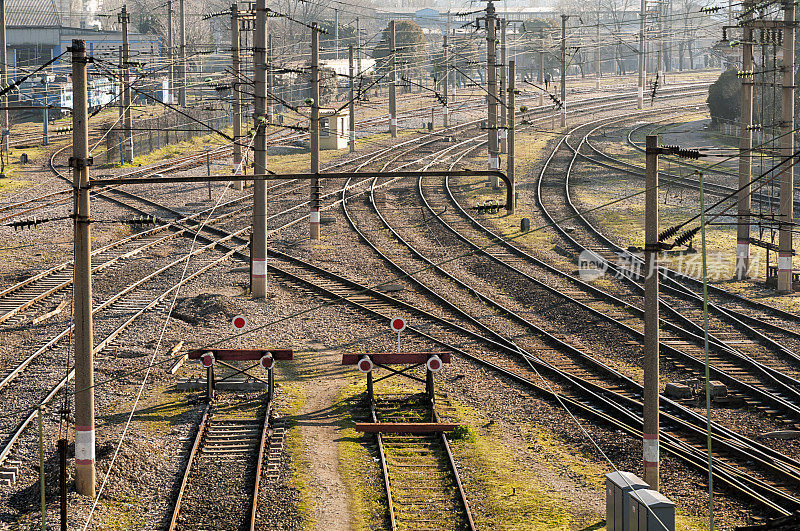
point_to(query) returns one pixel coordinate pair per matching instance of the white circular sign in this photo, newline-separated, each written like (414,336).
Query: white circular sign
(267,361)
(365,364)
(239,322)
(398,324)
(207,359)
(434,363)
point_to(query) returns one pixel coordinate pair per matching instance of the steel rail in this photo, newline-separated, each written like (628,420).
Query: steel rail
(265,435)
(385,470)
(185,481)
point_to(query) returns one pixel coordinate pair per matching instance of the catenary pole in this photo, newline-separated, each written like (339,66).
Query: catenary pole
(503,95)
(170,55)
(491,98)
(642,57)
(314,203)
(392,81)
(446,58)
(352,104)
(182,52)
(510,124)
(651,332)
(82,283)
(127,125)
(745,145)
(785,247)
(258,257)
(597,65)
(564,70)
(5,124)
(236,94)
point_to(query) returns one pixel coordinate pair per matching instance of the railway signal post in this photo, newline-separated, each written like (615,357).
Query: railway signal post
(651,332)
(82,318)
(258,254)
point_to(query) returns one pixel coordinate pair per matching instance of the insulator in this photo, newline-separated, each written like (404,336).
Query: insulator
(667,233)
(686,236)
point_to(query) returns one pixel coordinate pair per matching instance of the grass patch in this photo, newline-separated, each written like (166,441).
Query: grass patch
(294,396)
(504,492)
(124,514)
(357,465)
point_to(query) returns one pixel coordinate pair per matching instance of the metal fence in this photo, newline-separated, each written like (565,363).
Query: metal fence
(154,133)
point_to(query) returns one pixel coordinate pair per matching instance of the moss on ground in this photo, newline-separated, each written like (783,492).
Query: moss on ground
(124,514)
(357,465)
(292,394)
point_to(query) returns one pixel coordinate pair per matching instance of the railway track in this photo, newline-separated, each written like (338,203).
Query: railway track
(420,476)
(378,300)
(607,375)
(225,465)
(748,337)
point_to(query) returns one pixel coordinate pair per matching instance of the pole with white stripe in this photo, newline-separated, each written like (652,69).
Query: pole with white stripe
(313,217)
(82,318)
(258,254)
(651,331)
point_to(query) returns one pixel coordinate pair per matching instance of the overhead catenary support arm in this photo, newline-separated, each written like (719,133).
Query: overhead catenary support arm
(164,179)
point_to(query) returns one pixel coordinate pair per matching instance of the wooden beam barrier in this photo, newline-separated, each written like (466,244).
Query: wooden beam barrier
(238,354)
(405,427)
(394,358)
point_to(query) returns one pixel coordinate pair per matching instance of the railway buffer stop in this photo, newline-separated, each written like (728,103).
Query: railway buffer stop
(432,361)
(265,358)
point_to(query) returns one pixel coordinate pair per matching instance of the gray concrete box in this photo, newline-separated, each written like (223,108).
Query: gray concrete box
(650,511)
(618,485)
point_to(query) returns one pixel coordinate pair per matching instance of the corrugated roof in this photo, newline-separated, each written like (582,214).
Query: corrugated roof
(37,13)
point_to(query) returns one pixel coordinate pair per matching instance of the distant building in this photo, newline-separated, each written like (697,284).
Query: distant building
(38,30)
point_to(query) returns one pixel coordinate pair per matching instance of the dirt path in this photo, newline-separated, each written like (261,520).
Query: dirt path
(319,432)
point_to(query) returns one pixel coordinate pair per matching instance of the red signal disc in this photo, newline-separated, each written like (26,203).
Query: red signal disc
(207,360)
(398,324)
(365,365)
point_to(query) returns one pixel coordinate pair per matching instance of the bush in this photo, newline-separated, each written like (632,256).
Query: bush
(724,98)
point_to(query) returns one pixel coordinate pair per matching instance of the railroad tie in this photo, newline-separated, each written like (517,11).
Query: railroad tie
(276,439)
